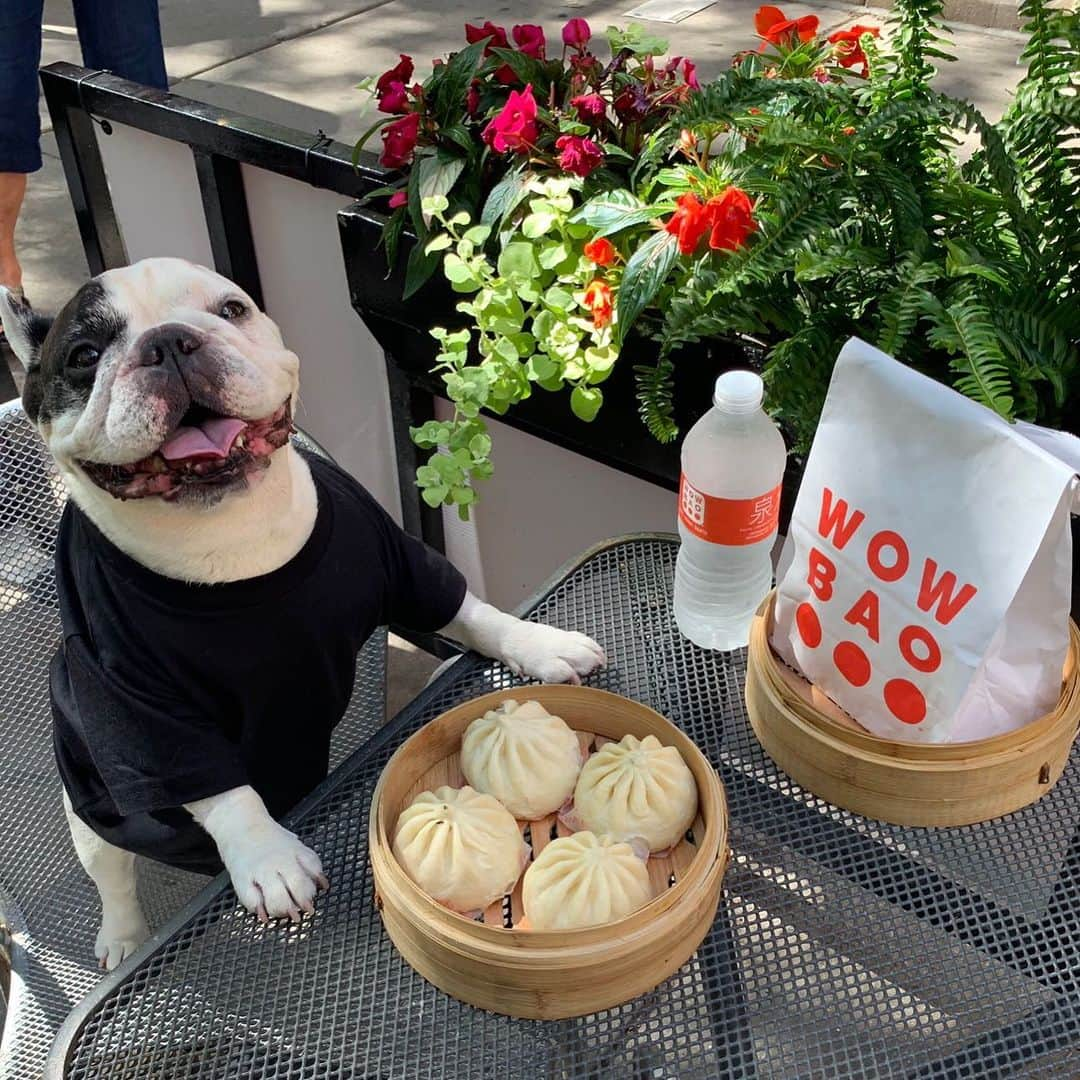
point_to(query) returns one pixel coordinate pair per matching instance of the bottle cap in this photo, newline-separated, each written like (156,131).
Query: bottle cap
(738,392)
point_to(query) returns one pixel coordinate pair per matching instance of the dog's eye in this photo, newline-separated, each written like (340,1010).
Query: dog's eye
(83,357)
(233,309)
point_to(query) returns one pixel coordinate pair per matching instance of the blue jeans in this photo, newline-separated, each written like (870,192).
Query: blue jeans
(121,36)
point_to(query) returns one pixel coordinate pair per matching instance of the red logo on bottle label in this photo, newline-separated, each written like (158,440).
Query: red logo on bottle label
(734,522)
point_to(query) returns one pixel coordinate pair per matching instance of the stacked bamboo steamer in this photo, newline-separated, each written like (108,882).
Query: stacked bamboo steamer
(946,784)
(548,974)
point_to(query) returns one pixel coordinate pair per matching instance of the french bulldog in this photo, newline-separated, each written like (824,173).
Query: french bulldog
(166,397)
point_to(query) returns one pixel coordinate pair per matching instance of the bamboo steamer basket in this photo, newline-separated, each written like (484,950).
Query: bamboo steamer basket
(940,785)
(547,974)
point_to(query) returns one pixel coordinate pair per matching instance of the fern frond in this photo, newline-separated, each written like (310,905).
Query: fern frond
(797,373)
(902,307)
(655,394)
(965,330)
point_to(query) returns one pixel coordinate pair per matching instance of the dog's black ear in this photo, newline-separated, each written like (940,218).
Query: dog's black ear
(24,328)
(25,331)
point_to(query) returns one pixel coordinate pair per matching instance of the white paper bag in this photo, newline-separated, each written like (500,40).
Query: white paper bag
(925,582)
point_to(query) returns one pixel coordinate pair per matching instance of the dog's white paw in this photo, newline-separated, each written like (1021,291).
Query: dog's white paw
(274,874)
(123,930)
(549,654)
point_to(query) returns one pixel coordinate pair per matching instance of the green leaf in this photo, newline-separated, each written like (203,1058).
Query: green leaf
(541,367)
(636,40)
(585,402)
(459,134)
(434,495)
(446,90)
(418,269)
(477,235)
(439,243)
(505,197)
(537,224)
(611,212)
(518,263)
(438,174)
(459,273)
(527,69)
(551,255)
(645,273)
(480,445)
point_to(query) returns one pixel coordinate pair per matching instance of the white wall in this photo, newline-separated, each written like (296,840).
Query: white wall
(544,506)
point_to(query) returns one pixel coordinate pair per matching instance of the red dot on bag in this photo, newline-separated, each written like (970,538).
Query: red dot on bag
(809,625)
(905,701)
(852,663)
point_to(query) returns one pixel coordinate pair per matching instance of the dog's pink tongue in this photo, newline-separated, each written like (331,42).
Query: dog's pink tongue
(213,439)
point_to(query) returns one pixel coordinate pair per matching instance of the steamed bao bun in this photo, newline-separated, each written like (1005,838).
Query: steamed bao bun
(637,788)
(584,880)
(527,758)
(461,847)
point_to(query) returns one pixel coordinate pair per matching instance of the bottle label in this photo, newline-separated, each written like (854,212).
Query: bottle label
(733,522)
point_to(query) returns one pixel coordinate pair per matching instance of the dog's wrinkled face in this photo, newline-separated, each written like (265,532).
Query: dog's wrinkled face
(158,379)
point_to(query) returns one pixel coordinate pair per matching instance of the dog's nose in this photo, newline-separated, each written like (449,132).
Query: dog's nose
(168,343)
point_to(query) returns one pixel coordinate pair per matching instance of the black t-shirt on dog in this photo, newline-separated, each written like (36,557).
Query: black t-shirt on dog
(165,692)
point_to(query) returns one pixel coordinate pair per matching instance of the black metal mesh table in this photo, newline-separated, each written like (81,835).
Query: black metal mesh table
(843,947)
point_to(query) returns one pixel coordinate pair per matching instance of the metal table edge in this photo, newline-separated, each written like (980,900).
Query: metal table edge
(76,1020)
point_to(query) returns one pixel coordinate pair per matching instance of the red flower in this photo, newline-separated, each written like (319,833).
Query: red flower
(515,126)
(598,301)
(497,34)
(529,38)
(394,99)
(472,100)
(688,224)
(580,155)
(401,72)
(600,251)
(576,33)
(847,131)
(848,50)
(731,220)
(633,103)
(399,141)
(399,198)
(591,108)
(772,25)
(689,74)
(820,75)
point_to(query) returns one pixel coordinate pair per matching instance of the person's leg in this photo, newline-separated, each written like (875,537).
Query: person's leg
(20,127)
(124,37)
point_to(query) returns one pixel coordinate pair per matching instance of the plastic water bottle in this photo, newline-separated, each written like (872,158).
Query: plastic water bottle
(729,507)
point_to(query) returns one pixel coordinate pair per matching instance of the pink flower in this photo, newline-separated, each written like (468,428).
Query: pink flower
(580,155)
(820,75)
(395,99)
(529,38)
(401,72)
(576,33)
(399,198)
(497,34)
(591,108)
(399,141)
(515,126)
(689,74)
